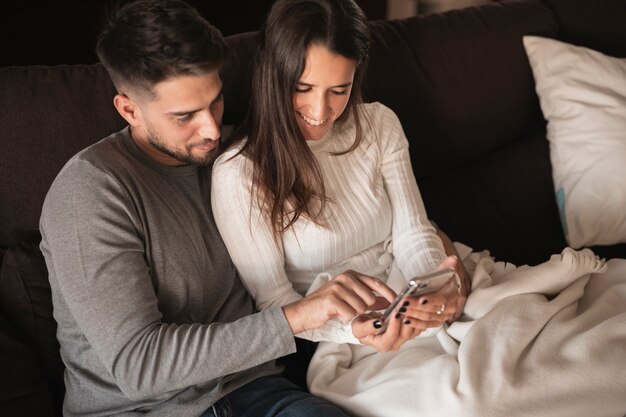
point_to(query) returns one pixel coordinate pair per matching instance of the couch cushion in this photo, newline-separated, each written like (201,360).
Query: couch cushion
(47,114)
(583,97)
(514,215)
(25,300)
(23,391)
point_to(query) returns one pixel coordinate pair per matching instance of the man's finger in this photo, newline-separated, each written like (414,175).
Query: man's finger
(381,303)
(377,285)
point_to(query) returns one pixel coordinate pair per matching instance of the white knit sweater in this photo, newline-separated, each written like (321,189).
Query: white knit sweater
(376,215)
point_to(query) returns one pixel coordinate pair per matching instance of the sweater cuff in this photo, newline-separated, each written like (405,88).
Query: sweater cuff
(276,319)
(333,331)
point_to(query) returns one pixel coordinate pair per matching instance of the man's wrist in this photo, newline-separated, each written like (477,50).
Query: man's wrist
(293,316)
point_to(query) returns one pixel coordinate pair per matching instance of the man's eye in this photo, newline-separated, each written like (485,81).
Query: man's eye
(183,119)
(219,101)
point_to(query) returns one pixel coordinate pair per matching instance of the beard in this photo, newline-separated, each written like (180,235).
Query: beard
(185,155)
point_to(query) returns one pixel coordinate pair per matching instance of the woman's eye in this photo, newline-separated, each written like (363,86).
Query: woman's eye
(303,90)
(341,92)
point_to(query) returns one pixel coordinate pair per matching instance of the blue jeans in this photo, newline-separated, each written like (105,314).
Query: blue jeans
(272,396)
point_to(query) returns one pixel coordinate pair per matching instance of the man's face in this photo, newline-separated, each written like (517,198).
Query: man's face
(182,125)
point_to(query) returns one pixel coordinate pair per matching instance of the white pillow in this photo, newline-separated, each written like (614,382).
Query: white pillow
(583,98)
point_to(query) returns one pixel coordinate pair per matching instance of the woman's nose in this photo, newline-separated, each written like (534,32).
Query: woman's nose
(318,108)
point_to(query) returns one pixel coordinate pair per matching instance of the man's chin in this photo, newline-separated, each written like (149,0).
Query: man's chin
(204,154)
(203,158)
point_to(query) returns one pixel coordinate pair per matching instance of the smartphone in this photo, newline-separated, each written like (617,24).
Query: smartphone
(424,284)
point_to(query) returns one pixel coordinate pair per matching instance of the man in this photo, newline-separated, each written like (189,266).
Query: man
(152,317)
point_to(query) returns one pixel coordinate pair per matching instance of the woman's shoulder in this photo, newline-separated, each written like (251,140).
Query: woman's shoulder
(231,159)
(377,110)
(379,119)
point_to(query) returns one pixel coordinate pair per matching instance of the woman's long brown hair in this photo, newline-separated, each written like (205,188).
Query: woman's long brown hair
(287,180)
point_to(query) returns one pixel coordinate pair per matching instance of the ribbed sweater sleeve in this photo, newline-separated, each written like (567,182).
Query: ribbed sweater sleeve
(416,248)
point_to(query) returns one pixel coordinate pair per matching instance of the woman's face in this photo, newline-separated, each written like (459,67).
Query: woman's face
(323,91)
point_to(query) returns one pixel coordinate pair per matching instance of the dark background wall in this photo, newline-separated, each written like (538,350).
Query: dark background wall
(52,32)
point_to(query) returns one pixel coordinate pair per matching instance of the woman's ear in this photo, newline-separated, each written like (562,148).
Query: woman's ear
(128,109)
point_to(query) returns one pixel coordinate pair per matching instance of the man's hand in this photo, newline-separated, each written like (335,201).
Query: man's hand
(345,297)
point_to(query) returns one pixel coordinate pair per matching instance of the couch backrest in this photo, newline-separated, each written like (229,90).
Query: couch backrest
(464,91)
(460,83)
(596,24)
(47,115)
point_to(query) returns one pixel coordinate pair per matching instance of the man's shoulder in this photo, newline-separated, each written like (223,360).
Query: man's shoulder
(95,161)
(85,181)
(105,152)
(109,156)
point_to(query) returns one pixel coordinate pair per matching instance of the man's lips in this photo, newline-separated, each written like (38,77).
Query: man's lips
(206,146)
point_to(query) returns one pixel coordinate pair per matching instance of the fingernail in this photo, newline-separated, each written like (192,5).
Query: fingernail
(424,301)
(402,310)
(398,315)
(406,303)
(407,322)
(377,324)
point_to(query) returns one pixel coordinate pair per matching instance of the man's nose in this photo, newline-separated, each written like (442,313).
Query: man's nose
(209,126)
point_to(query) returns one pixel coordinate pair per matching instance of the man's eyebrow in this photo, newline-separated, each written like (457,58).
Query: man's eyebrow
(334,86)
(191,111)
(183,112)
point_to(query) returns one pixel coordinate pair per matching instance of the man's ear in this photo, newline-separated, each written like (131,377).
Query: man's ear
(128,109)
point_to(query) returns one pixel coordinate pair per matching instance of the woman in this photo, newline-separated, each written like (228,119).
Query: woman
(318,182)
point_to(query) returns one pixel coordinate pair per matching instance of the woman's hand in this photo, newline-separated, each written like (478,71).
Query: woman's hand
(466,285)
(432,310)
(365,328)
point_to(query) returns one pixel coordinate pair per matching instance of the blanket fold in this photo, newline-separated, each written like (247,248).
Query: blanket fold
(547,340)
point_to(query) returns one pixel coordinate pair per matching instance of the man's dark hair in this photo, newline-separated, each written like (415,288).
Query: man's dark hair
(148,41)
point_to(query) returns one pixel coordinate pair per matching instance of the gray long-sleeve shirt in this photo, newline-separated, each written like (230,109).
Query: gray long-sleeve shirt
(151,313)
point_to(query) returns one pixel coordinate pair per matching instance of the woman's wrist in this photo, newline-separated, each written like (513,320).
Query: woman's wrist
(465,281)
(466,285)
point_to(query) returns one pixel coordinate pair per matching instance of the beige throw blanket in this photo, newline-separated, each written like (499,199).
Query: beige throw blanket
(548,341)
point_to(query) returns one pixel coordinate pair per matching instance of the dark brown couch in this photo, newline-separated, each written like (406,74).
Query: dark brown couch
(460,83)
